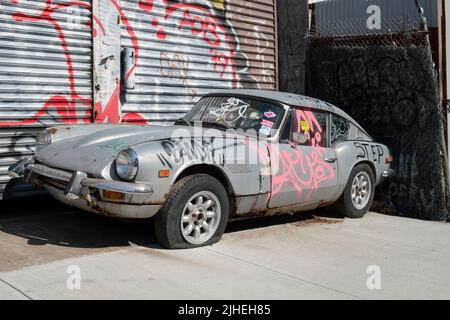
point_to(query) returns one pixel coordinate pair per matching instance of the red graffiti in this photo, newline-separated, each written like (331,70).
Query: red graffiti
(146,5)
(161,34)
(219,58)
(65,107)
(154,22)
(203,26)
(134,118)
(195,18)
(206,26)
(111,113)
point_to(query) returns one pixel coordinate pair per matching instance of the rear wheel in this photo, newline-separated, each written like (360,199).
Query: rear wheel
(194,215)
(358,195)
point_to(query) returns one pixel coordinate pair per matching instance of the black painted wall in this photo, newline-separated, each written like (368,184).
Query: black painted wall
(292,44)
(392,93)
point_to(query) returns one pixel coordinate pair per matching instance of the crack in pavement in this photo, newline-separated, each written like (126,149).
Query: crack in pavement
(26,293)
(288,275)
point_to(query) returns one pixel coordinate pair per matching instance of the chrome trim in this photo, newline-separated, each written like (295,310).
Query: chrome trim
(101,184)
(119,186)
(276,137)
(17,170)
(388,173)
(74,188)
(50,172)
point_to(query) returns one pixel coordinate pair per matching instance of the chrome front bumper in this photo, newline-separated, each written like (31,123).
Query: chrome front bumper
(76,188)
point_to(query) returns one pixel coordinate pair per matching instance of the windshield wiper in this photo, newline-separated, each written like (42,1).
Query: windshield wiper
(183,121)
(217,125)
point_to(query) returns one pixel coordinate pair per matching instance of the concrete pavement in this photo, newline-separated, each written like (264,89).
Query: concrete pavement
(293,257)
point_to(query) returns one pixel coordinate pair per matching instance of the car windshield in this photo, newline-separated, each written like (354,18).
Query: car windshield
(238,113)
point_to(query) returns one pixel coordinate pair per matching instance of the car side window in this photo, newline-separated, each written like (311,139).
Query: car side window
(340,129)
(310,127)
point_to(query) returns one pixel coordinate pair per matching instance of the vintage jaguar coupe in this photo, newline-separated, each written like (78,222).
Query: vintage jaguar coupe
(236,154)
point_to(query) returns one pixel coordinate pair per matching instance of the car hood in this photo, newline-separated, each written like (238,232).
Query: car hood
(93,152)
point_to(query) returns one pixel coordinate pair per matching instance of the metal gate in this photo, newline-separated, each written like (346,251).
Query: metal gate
(45,71)
(180,50)
(72,62)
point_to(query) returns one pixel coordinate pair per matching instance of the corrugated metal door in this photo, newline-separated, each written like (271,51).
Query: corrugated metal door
(45,71)
(184,49)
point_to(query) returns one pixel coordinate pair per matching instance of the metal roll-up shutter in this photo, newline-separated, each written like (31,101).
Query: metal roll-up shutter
(184,49)
(45,72)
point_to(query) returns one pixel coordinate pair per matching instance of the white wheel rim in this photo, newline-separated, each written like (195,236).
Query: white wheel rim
(200,218)
(361,190)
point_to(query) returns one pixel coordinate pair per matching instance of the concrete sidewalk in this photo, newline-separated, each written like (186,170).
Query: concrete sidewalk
(318,258)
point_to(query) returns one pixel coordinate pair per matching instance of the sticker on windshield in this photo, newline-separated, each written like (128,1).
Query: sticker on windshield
(254,116)
(267,123)
(270,114)
(265,130)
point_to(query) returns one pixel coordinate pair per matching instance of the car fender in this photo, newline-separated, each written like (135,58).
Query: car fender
(352,153)
(244,179)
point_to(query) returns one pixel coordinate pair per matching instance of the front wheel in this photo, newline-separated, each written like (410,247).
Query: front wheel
(358,195)
(194,215)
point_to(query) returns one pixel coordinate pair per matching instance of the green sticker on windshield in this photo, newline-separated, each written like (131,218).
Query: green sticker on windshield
(254,116)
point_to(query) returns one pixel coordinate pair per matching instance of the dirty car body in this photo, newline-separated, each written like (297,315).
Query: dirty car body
(271,152)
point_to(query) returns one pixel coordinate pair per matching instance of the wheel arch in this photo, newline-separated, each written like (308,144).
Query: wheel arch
(371,165)
(211,170)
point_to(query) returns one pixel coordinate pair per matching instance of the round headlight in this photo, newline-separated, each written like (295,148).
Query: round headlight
(127,164)
(43,139)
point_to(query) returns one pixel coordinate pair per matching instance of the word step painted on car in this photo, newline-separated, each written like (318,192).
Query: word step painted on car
(236,154)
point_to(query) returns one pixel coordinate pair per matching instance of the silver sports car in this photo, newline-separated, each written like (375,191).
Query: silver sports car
(236,154)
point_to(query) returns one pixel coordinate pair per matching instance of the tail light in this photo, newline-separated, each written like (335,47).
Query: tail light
(389,159)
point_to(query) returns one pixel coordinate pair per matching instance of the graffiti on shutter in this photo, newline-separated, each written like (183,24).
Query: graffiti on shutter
(45,71)
(180,50)
(184,49)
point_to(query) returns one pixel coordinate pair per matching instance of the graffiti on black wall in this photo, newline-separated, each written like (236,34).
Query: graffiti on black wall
(392,93)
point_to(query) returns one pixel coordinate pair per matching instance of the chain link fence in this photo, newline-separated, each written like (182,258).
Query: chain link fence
(398,32)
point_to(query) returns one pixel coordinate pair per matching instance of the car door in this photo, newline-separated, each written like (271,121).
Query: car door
(303,165)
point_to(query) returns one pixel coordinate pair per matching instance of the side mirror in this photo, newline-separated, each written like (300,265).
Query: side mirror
(299,138)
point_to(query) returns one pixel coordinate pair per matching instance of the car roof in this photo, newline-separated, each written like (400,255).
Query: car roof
(290,99)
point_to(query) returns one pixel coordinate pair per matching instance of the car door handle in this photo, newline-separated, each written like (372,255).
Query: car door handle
(330,160)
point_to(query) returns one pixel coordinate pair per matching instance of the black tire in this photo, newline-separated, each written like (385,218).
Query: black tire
(345,204)
(167,221)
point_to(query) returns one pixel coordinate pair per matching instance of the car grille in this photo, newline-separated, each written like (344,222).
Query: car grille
(56,183)
(61,185)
